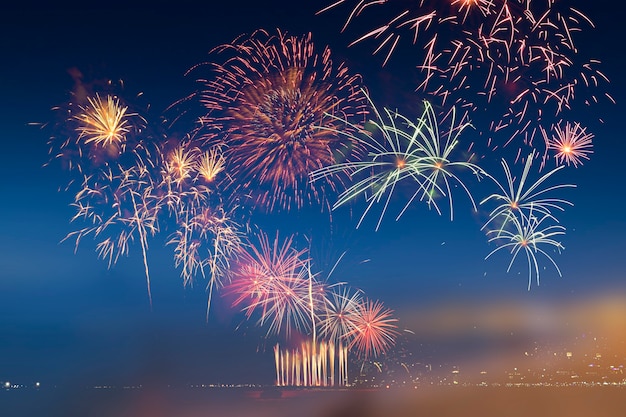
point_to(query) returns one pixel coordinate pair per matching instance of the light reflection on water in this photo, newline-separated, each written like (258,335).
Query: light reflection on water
(240,402)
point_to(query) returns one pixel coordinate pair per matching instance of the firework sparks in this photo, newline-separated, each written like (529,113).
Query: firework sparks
(531,235)
(104,122)
(572,144)
(210,165)
(114,196)
(336,318)
(411,154)
(516,55)
(102,131)
(522,197)
(209,239)
(273,280)
(267,98)
(374,330)
(119,208)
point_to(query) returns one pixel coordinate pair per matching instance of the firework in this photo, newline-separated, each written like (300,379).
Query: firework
(118,207)
(267,98)
(511,55)
(435,165)
(531,235)
(571,143)
(113,160)
(208,239)
(374,330)
(312,364)
(104,123)
(101,131)
(518,196)
(336,319)
(273,279)
(415,155)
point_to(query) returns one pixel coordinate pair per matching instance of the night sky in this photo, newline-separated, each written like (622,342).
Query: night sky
(67,318)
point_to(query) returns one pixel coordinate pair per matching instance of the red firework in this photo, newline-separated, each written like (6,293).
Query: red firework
(374,330)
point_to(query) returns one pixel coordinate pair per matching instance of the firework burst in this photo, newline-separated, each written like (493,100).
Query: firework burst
(102,131)
(522,197)
(104,122)
(273,279)
(530,235)
(208,239)
(336,319)
(571,143)
(119,208)
(374,330)
(267,98)
(400,152)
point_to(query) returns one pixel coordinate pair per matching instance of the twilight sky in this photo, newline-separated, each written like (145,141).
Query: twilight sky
(66,316)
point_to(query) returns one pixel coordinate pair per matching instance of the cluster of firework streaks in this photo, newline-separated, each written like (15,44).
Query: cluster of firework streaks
(525,215)
(571,143)
(266,99)
(516,55)
(401,151)
(270,118)
(107,150)
(178,183)
(312,365)
(130,183)
(274,280)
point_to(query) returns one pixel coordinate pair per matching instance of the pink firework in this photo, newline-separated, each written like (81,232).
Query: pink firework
(374,330)
(273,281)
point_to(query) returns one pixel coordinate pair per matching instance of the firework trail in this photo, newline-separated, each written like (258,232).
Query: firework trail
(210,239)
(531,235)
(118,208)
(132,184)
(400,152)
(207,237)
(516,55)
(265,101)
(319,364)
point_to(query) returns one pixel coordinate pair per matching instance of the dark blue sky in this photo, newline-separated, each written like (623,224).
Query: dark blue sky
(66,316)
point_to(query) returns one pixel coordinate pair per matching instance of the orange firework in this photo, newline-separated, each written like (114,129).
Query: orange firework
(104,123)
(272,99)
(571,143)
(100,131)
